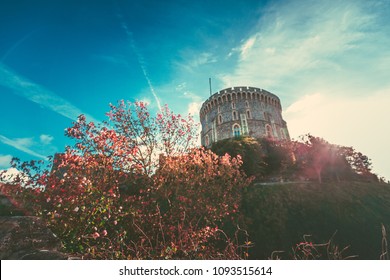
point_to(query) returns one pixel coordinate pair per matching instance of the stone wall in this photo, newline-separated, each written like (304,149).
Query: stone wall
(242,111)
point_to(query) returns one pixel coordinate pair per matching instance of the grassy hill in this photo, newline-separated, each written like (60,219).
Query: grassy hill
(277,216)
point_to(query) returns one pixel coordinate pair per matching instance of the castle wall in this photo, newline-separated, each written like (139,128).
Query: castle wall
(242,111)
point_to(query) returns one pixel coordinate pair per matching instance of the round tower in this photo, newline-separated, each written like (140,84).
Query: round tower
(239,111)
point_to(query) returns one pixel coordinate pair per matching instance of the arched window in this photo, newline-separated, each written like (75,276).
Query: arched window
(247,104)
(233,105)
(219,119)
(234,115)
(236,130)
(248,114)
(268,130)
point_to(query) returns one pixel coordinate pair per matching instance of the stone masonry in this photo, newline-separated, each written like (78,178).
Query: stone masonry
(239,111)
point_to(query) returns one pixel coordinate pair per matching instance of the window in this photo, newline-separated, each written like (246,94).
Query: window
(234,115)
(214,131)
(244,124)
(248,114)
(219,109)
(244,127)
(236,130)
(268,130)
(247,104)
(233,105)
(219,119)
(282,133)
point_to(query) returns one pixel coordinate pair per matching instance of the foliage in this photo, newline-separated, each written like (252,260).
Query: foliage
(310,158)
(279,159)
(317,158)
(277,216)
(309,250)
(251,151)
(134,187)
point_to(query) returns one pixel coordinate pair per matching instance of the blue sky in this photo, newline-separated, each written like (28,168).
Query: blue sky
(328,61)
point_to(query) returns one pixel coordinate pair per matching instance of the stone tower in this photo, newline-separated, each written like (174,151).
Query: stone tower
(238,111)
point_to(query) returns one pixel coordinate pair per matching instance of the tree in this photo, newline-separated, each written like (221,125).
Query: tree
(359,163)
(249,149)
(279,158)
(317,158)
(136,187)
(262,158)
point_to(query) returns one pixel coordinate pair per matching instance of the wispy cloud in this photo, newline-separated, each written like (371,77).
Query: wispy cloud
(306,42)
(5,161)
(22,144)
(194,107)
(187,101)
(46,139)
(38,94)
(37,148)
(193,61)
(16,45)
(247,46)
(25,142)
(201,59)
(195,101)
(140,58)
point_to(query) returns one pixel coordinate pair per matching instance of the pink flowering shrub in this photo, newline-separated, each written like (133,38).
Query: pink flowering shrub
(135,187)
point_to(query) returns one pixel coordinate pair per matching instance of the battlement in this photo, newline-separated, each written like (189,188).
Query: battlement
(241,92)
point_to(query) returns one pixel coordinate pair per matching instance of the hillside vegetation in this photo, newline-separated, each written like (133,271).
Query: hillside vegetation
(278,216)
(310,192)
(311,158)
